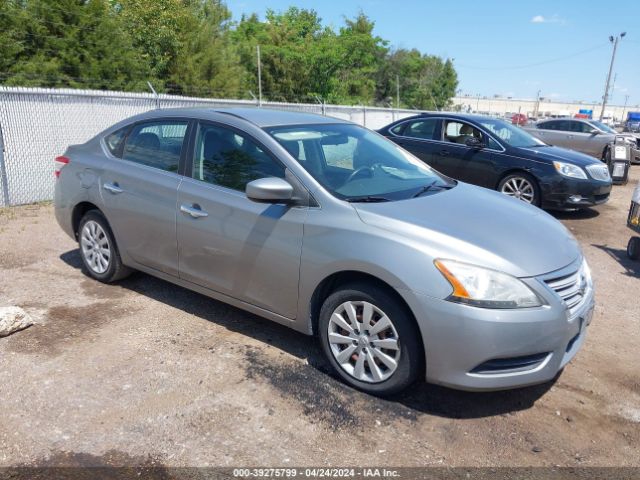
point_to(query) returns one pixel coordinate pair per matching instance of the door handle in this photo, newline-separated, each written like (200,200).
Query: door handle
(444,153)
(113,187)
(194,210)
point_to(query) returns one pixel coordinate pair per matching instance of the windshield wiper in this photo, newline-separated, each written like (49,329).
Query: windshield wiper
(367,199)
(429,186)
(538,145)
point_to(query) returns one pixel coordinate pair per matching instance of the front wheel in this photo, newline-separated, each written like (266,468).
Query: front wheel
(633,248)
(370,339)
(522,187)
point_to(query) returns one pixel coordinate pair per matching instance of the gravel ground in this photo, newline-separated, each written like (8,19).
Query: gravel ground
(148,370)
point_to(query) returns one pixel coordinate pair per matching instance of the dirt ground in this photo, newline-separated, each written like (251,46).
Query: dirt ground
(146,369)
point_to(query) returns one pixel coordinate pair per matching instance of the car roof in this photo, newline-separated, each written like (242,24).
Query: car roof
(456,115)
(262,117)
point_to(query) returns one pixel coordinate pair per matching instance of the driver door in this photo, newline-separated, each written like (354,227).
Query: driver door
(246,250)
(457,160)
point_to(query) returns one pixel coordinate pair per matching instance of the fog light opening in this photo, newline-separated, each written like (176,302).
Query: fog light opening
(575,198)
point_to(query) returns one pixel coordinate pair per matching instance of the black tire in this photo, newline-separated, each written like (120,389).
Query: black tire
(115,270)
(633,248)
(606,159)
(525,176)
(410,364)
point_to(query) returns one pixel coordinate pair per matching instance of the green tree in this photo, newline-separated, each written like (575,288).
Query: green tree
(67,43)
(192,47)
(210,64)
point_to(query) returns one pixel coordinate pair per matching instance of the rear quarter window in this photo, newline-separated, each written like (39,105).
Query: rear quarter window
(115,140)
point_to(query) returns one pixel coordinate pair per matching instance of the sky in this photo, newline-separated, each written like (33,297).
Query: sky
(504,47)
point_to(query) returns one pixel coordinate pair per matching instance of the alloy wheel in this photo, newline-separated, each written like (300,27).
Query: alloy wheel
(95,247)
(520,188)
(364,341)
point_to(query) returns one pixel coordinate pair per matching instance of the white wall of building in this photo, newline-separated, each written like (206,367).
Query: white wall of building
(503,105)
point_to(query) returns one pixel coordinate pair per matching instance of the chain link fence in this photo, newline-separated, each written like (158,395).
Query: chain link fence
(37,124)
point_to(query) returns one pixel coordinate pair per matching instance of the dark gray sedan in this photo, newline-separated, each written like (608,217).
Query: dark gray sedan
(330,229)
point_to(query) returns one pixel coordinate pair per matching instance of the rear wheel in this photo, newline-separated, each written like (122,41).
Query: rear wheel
(98,249)
(370,339)
(633,248)
(521,186)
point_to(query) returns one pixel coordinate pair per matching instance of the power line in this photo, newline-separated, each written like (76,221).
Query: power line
(518,67)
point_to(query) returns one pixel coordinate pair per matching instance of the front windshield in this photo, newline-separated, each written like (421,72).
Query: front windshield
(357,165)
(603,127)
(510,134)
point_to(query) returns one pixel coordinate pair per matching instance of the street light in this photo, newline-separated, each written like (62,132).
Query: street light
(615,41)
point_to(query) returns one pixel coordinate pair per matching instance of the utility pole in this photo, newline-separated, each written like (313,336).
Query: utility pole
(536,109)
(259,77)
(626,99)
(397,91)
(615,41)
(613,87)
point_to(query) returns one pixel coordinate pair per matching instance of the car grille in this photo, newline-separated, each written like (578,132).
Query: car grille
(571,288)
(599,172)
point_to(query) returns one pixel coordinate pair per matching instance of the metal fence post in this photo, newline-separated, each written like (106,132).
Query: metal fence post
(3,173)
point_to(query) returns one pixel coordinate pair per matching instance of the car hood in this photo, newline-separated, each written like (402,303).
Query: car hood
(478,226)
(558,154)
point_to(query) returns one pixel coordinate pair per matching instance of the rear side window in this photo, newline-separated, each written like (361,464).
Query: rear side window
(398,129)
(422,129)
(548,125)
(114,141)
(156,144)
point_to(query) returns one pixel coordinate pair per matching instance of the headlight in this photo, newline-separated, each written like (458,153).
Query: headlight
(569,170)
(486,288)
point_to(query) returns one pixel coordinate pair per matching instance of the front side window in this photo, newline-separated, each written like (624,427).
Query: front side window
(357,165)
(156,144)
(460,132)
(422,129)
(230,159)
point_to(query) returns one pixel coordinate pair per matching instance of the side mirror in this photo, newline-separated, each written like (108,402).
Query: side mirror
(474,142)
(594,131)
(269,190)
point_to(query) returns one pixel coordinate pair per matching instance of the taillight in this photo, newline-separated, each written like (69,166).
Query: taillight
(60,163)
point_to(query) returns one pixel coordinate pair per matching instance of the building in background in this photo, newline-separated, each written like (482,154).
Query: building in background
(532,108)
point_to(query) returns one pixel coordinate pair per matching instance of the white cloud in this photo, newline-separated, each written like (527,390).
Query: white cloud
(555,18)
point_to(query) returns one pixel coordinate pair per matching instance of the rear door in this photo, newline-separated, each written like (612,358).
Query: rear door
(418,137)
(554,132)
(139,192)
(228,243)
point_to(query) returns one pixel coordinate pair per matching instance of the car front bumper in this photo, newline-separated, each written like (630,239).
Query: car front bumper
(569,194)
(464,344)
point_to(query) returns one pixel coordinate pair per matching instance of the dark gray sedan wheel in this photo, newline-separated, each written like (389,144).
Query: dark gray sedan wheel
(370,339)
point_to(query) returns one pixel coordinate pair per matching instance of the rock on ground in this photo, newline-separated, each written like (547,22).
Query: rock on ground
(13,319)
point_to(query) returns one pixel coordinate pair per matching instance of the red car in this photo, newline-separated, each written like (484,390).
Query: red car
(519,119)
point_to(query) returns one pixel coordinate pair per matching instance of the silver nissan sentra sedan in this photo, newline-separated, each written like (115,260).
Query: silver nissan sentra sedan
(329,228)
